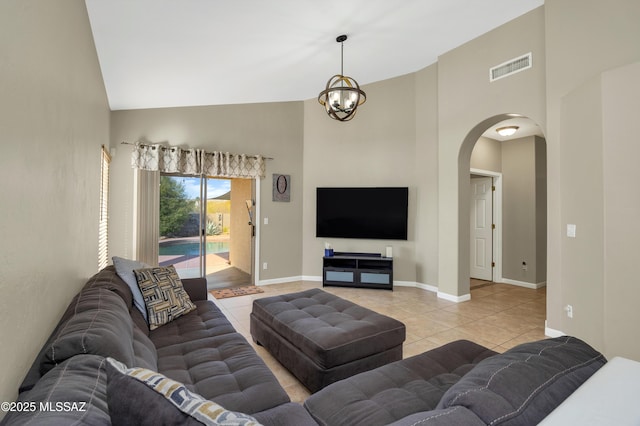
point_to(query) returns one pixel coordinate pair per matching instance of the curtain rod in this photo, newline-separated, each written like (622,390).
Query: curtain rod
(167,147)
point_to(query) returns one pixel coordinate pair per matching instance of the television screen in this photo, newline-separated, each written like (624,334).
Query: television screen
(370,213)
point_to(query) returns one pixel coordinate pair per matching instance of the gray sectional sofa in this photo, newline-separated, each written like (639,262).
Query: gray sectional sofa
(200,349)
(460,383)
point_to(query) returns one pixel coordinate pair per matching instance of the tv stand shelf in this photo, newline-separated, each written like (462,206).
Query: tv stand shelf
(366,270)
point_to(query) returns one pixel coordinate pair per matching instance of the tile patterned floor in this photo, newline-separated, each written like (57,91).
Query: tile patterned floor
(498,316)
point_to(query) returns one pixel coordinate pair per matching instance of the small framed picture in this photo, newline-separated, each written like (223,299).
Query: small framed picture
(281,187)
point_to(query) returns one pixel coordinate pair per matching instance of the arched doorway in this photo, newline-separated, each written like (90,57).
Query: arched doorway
(516,164)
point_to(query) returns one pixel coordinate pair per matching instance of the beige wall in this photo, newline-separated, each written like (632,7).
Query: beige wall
(467,105)
(487,155)
(426,163)
(620,107)
(271,129)
(54,118)
(541,210)
(584,41)
(597,275)
(377,148)
(519,212)
(240,248)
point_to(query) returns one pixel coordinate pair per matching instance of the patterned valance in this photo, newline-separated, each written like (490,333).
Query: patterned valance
(197,162)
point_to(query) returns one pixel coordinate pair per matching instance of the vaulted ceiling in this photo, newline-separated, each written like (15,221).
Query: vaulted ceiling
(163,53)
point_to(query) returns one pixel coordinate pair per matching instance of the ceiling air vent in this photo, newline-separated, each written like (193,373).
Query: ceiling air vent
(510,67)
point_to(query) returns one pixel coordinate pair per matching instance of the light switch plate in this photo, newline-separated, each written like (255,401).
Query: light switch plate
(571,230)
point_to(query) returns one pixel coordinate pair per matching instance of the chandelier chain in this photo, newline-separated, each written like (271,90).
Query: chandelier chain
(342,58)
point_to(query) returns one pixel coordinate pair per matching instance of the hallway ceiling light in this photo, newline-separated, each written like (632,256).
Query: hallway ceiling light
(507,130)
(342,96)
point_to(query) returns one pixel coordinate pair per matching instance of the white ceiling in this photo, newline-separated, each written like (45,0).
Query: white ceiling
(163,53)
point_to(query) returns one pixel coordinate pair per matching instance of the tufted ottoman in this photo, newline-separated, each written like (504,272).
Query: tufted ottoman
(322,338)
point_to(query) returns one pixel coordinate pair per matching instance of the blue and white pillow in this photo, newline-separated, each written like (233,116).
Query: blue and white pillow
(124,269)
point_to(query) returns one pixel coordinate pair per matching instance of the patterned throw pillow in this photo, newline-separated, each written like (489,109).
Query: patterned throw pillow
(163,294)
(170,401)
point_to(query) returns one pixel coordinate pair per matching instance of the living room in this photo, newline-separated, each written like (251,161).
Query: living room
(582,90)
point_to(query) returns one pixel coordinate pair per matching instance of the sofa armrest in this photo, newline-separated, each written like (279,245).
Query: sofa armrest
(607,397)
(196,288)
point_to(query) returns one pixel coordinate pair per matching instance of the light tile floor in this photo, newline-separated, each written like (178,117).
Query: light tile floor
(498,316)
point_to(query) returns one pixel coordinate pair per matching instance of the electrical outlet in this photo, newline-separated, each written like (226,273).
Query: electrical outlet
(569,310)
(265,266)
(524,266)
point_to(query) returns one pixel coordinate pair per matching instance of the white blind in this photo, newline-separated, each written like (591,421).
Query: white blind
(103,225)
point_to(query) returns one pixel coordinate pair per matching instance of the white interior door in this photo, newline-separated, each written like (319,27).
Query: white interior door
(481,228)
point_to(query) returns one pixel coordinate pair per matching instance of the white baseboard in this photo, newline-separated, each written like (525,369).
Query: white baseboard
(283,280)
(533,286)
(452,298)
(403,284)
(428,287)
(316,278)
(551,332)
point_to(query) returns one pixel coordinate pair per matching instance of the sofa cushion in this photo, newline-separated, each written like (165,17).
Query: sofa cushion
(108,279)
(124,269)
(73,393)
(163,294)
(523,385)
(144,397)
(225,369)
(289,414)
(203,351)
(144,351)
(394,391)
(206,321)
(101,326)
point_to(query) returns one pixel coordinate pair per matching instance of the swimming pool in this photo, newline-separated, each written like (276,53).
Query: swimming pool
(190,248)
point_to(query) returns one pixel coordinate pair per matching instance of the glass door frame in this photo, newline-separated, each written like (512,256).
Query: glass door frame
(202,236)
(203,226)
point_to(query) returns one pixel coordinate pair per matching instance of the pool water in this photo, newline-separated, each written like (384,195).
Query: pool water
(192,248)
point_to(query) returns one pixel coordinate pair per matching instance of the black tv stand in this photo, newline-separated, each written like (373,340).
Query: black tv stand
(366,270)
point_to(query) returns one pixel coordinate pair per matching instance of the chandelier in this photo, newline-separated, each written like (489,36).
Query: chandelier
(343,95)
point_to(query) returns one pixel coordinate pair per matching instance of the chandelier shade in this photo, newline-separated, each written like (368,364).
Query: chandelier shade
(342,95)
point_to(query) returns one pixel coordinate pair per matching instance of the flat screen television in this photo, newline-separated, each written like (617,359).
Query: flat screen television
(368,213)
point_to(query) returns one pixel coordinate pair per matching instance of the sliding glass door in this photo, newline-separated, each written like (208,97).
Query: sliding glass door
(217,219)
(181,239)
(196,227)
